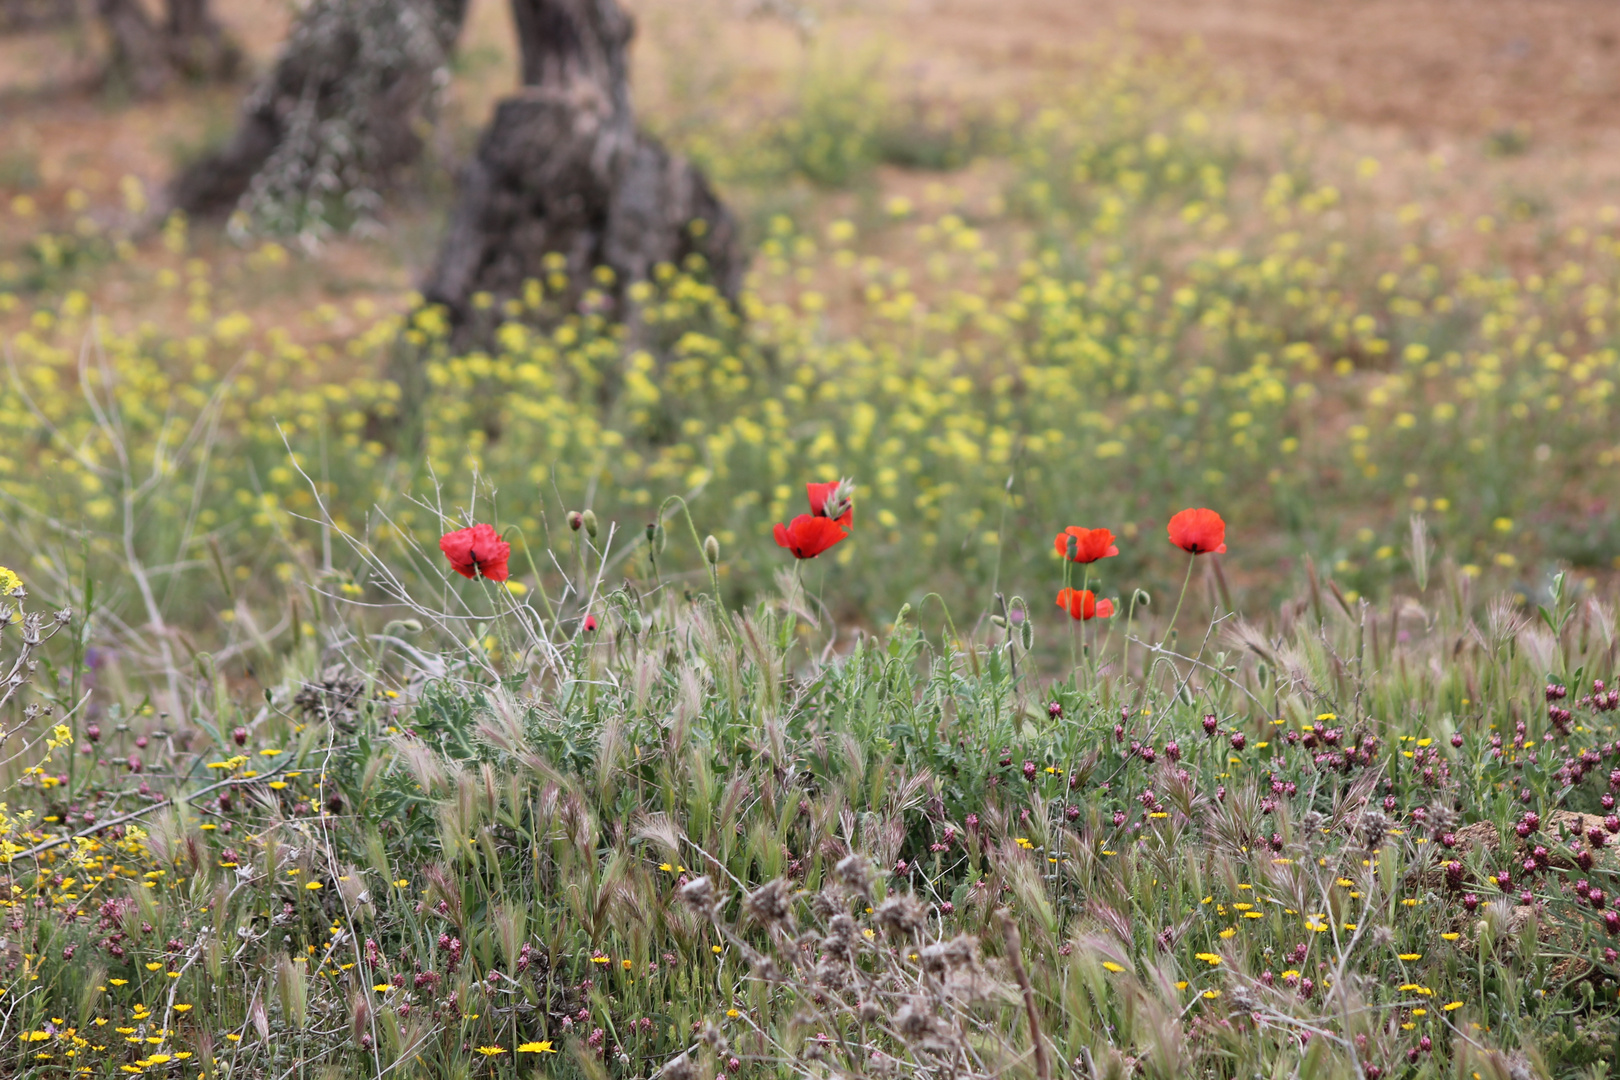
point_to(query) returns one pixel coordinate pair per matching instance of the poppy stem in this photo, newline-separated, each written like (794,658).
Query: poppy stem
(1074,654)
(1193,557)
(1085,584)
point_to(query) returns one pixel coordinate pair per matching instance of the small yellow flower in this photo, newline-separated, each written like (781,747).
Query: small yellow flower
(1411,956)
(491,1051)
(1111,966)
(182,1008)
(1209,958)
(1451,1005)
(312,884)
(542,1047)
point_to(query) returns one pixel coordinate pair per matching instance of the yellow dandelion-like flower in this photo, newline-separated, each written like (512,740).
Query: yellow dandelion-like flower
(312,884)
(1411,956)
(1209,958)
(1451,1005)
(491,1051)
(542,1047)
(1111,966)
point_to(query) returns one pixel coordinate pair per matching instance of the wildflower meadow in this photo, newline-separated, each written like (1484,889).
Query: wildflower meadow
(1126,588)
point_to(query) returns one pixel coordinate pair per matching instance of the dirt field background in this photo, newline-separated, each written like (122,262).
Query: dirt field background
(1436,89)
(1432,69)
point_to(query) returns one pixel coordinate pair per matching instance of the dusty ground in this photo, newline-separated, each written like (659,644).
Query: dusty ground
(1429,67)
(1435,88)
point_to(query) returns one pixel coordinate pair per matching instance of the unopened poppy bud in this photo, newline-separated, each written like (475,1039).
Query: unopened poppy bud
(711,550)
(656,537)
(575,520)
(633,620)
(589,518)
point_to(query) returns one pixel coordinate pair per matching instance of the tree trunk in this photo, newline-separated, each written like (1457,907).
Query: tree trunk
(330,126)
(562,170)
(148,58)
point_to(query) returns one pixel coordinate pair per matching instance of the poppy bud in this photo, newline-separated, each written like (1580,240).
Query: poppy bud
(656,538)
(575,520)
(589,518)
(633,620)
(711,550)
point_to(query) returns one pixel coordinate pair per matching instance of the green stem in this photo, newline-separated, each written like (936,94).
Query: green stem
(714,571)
(1085,583)
(1175,614)
(1074,656)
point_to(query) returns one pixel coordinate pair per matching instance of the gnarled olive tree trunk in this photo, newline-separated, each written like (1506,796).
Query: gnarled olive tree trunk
(562,171)
(325,132)
(150,56)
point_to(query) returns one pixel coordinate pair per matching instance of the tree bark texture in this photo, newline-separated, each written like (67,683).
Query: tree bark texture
(341,112)
(148,57)
(562,170)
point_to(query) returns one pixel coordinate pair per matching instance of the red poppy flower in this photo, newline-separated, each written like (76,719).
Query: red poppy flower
(1199,531)
(808,536)
(590,623)
(820,494)
(1083,604)
(1089,544)
(477,552)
